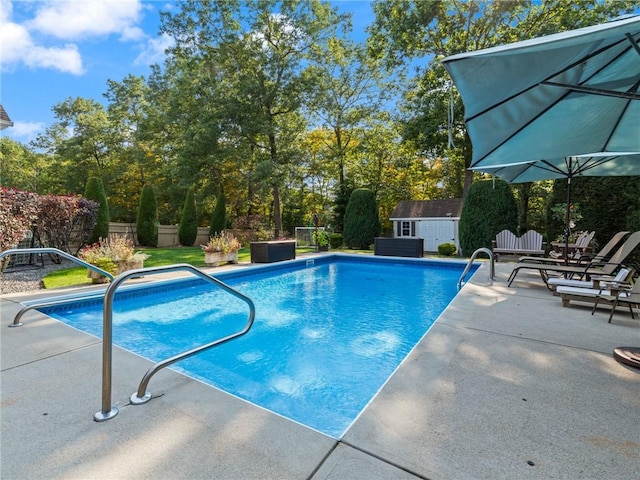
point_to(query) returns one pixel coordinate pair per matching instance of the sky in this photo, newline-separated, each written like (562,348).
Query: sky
(58,49)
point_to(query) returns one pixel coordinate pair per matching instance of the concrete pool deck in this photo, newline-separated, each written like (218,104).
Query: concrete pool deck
(508,384)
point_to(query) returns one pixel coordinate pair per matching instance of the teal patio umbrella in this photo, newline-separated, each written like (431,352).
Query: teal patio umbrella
(552,97)
(558,106)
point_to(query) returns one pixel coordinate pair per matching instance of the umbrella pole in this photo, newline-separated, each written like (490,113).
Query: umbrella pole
(567,222)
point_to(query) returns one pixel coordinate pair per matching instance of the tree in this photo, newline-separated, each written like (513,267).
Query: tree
(489,207)
(188,230)
(218,217)
(21,167)
(602,211)
(406,30)
(260,69)
(95,191)
(81,143)
(361,220)
(147,220)
(135,144)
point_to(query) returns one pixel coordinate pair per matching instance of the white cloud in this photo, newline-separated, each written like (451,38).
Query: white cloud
(25,131)
(71,20)
(30,42)
(17,47)
(154,50)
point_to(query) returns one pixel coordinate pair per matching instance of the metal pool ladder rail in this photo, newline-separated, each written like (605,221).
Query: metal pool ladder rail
(142,396)
(16,321)
(492,268)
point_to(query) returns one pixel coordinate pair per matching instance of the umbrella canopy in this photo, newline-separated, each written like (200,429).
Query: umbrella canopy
(553,97)
(599,164)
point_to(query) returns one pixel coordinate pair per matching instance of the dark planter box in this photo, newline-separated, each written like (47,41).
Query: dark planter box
(399,247)
(275,251)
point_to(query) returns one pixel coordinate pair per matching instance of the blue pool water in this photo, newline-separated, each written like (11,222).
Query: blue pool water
(325,339)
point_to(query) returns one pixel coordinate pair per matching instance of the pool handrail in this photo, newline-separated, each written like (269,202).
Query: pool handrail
(109,411)
(16,321)
(492,267)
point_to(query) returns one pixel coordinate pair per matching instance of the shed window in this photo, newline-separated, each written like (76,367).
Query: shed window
(406,228)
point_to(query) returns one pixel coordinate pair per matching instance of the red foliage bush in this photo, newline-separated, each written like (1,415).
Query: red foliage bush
(64,221)
(18,211)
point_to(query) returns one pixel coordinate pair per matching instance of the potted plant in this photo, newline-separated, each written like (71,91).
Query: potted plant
(321,239)
(221,248)
(115,255)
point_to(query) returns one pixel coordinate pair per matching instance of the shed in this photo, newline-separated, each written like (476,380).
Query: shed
(435,221)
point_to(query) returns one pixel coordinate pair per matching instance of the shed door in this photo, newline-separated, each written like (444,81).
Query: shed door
(436,232)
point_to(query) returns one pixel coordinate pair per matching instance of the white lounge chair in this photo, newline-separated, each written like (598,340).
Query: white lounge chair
(623,276)
(585,294)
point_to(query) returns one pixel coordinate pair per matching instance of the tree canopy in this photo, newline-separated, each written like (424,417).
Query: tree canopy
(274,104)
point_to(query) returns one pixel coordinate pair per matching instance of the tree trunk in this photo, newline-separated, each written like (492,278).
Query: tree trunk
(277,215)
(525,193)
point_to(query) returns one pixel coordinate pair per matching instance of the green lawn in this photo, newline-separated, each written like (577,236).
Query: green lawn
(157,257)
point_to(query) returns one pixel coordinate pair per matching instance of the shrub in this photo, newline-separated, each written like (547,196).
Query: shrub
(223,243)
(147,220)
(361,220)
(335,240)
(489,207)
(18,212)
(446,249)
(95,191)
(108,253)
(320,238)
(188,230)
(219,216)
(64,220)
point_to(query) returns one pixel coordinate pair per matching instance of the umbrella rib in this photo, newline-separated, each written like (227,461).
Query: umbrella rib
(615,127)
(633,42)
(630,94)
(595,91)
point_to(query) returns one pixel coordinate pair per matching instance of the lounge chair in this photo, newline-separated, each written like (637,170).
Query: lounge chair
(593,294)
(629,296)
(609,267)
(624,275)
(583,258)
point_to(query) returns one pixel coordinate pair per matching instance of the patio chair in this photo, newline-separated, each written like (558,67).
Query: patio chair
(630,296)
(609,267)
(583,257)
(594,294)
(574,250)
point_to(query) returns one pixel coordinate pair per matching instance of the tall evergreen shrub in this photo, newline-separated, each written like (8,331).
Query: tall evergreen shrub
(94,190)
(147,220)
(188,229)
(218,217)
(607,204)
(361,220)
(489,207)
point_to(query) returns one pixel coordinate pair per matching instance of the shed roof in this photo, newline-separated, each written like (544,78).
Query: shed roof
(448,207)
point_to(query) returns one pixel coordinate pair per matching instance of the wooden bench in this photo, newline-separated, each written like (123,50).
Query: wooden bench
(507,242)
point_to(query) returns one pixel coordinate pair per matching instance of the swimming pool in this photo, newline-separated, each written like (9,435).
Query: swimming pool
(326,337)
